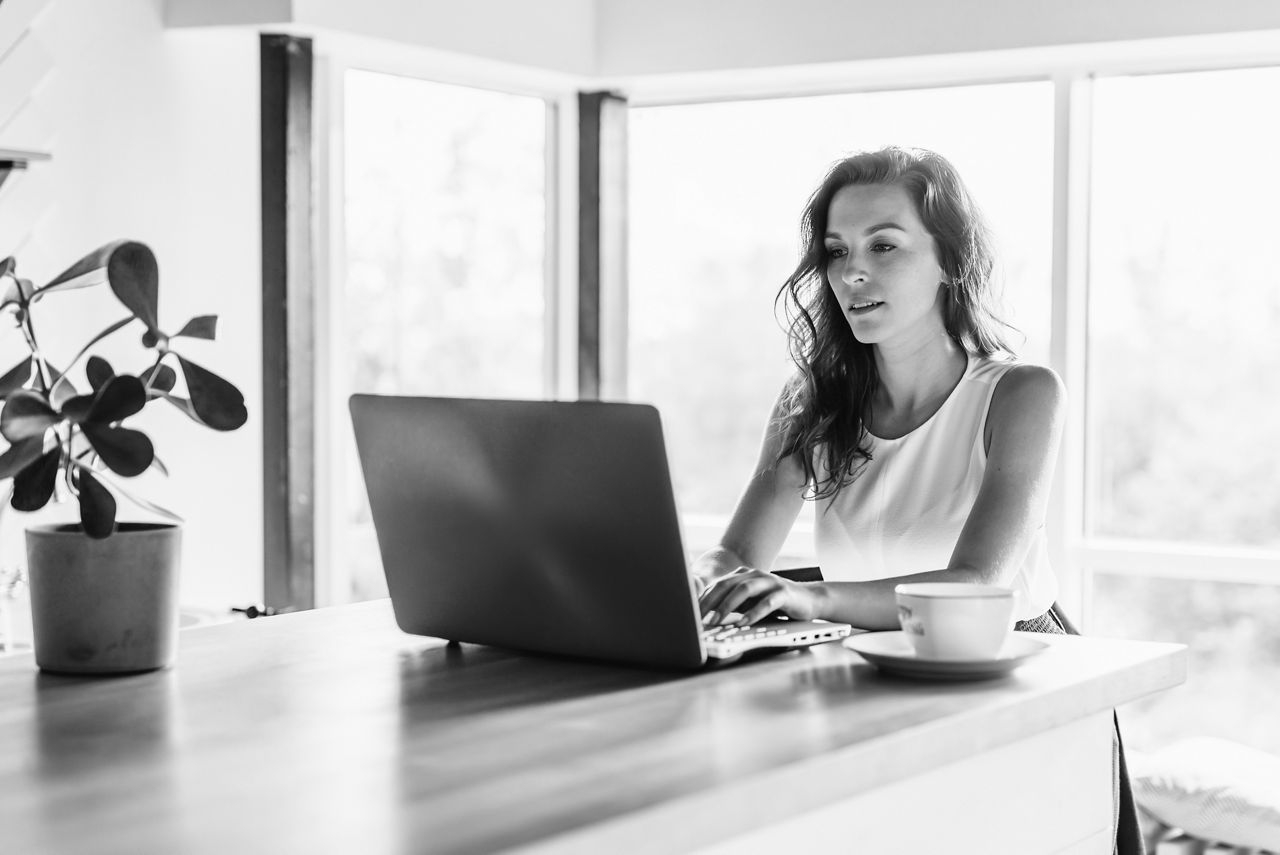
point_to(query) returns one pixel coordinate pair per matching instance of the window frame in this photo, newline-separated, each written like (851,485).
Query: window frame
(1071,69)
(1075,555)
(335,56)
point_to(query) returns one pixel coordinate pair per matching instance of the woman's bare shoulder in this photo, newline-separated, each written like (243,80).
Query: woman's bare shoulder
(1029,378)
(1027,392)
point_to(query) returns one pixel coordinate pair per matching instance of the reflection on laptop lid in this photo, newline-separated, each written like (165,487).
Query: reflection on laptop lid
(547,526)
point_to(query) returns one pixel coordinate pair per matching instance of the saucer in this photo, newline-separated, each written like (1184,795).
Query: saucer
(892,652)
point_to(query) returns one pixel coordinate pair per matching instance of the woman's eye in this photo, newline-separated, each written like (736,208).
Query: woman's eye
(882,247)
(836,252)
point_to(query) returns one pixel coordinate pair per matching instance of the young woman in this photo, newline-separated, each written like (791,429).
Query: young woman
(928,449)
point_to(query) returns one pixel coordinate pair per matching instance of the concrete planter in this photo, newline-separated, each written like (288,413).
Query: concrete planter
(104,606)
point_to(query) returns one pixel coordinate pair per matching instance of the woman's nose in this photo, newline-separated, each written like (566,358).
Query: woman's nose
(854,271)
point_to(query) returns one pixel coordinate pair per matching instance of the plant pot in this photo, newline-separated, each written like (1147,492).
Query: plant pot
(104,606)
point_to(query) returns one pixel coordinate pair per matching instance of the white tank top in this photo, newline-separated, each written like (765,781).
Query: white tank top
(904,511)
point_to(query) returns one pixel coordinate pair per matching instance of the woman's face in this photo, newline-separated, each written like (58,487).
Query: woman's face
(882,265)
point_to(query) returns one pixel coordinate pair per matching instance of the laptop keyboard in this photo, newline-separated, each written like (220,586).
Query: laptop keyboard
(729,641)
(741,633)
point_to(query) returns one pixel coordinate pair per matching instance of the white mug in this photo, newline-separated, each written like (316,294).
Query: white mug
(958,621)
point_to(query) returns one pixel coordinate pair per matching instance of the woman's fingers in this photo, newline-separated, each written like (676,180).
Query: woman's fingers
(718,588)
(765,606)
(737,592)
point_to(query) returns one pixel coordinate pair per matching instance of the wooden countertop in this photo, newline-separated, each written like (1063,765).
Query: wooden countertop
(332,731)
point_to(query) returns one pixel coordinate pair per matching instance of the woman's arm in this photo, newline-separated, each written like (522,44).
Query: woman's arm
(1023,431)
(1024,427)
(764,515)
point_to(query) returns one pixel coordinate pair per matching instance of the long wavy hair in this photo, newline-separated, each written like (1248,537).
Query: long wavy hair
(826,404)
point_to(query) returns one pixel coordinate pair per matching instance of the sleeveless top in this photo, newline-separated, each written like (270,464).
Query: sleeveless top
(904,511)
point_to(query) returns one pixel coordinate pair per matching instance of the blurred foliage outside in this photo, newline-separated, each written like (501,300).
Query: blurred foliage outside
(1184,384)
(1184,304)
(444,285)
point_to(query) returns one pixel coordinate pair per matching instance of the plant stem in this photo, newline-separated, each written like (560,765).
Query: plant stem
(66,471)
(29,331)
(151,375)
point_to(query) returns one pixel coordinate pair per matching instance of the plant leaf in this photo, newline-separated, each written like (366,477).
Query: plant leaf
(77,409)
(204,326)
(142,503)
(135,279)
(161,379)
(20,455)
(76,276)
(8,266)
(99,372)
(63,389)
(121,397)
(217,403)
(18,292)
(125,451)
(15,378)
(26,414)
(97,505)
(33,486)
(184,405)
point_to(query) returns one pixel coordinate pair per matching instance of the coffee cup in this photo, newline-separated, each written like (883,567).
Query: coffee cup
(958,621)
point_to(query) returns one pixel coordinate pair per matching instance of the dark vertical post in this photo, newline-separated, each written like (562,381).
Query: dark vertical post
(601,202)
(589,108)
(288,326)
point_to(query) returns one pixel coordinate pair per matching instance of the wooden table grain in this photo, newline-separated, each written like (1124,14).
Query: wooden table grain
(332,731)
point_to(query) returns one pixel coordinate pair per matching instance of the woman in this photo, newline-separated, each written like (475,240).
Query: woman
(929,450)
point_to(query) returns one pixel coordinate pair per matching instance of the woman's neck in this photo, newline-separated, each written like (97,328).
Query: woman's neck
(915,379)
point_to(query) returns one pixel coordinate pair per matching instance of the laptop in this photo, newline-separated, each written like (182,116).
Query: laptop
(544,526)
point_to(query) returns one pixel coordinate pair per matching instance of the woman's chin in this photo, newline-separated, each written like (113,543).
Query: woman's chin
(866,333)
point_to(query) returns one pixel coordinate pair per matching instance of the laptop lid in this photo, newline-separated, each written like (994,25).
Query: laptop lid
(547,526)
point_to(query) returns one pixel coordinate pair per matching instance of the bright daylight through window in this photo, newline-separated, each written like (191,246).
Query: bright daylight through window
(1184,383)
(443,292)
(716,192)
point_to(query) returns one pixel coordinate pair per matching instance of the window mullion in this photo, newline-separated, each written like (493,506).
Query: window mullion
(1068,338)
(602,257)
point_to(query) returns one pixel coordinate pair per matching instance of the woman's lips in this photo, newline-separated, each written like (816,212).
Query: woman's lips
(865,307)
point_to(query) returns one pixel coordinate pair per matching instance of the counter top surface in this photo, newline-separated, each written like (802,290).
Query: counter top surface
(331,730)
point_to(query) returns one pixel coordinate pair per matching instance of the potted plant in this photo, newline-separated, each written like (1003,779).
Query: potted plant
(103,592)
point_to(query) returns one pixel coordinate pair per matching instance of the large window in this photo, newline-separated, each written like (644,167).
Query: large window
(1173,468)
(1184,307)
(444,287)
(716,192)
(1183,466)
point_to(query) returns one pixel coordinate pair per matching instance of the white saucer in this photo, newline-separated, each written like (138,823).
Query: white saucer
(892,652)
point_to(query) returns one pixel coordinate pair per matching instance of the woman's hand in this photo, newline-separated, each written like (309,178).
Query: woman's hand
(716,564)
(757,594)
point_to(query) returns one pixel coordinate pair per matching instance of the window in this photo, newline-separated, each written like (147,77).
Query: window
(716,192)
(1184,307)
(444,290)
(1183,399)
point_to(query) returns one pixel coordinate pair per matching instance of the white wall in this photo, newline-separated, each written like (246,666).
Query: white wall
(557,35)
(671,36)
(623,38)
(154,136)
